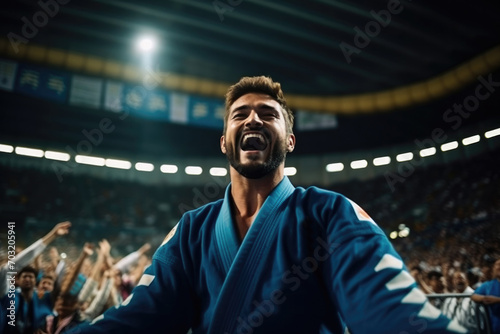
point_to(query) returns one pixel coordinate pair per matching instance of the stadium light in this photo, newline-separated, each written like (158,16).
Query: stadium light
(335,167)
(471,140)
(119,164)
(146,44)
(381,161)
(404,232)
(290,171)
(169,169)
(60,156)
(404,157)
(29,152)
(6,148)
(492,133)
(144,167)
(193,170)
(88,160)
(427,152)
(218,171)
(358,164)
(449,146)
(393,235)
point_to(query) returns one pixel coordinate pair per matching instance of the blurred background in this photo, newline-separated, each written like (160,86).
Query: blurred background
(111,114)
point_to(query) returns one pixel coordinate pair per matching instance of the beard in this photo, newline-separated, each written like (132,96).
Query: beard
(257,170)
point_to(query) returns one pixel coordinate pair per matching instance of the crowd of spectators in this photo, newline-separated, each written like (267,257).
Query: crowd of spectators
(452,213)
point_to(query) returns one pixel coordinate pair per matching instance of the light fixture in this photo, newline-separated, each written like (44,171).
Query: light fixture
(335,167)
(146,44)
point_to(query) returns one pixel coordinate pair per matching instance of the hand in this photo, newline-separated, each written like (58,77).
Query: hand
(491,300)
(104,247)
(58,230)
(61,228)
(87,249)
(144,248)
(54,254)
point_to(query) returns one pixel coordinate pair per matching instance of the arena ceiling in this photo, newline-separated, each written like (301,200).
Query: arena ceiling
(388,69)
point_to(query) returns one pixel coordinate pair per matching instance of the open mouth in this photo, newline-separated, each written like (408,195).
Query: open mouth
(253,142)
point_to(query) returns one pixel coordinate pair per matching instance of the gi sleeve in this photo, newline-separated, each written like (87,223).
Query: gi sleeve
(369,283)
(161,301)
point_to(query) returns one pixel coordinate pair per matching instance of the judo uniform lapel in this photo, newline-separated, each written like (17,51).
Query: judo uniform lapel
(241,265)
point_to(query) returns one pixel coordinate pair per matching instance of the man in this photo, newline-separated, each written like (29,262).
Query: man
(46,284)
(29,309)
(460,308)
(269,257)
(67,316)
(416,273)
(437,282)
(489,294)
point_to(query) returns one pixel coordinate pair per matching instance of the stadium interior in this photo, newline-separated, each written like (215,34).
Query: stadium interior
(396,104)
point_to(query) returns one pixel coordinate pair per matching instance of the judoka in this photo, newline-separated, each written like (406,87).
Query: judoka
(270,257)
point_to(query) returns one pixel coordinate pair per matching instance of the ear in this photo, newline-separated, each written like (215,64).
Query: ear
(291,142)
(223,144)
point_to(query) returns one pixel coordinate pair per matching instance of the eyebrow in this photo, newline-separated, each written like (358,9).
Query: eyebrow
(262,105)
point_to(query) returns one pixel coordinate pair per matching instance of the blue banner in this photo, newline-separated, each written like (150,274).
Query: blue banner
(151,104)
(43,83)
(206,112)
(115,96)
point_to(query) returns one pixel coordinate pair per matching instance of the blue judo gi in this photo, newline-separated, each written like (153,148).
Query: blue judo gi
(312,262)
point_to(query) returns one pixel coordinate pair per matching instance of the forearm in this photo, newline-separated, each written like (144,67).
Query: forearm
(124,264)
(87,290)
(100,299)
(485,299)
(477,298)
(72,275)
(27,256)
(96,272)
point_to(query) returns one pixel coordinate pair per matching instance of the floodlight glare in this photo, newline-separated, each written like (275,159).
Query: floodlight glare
(290,171)
(449,146)
(193,170)
(218,171)
(6,148)
(146,44)
(335,167)
(492,133)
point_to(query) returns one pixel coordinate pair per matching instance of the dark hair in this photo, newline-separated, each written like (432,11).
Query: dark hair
(28,269)
(416,268)
(258,84)
(434,274)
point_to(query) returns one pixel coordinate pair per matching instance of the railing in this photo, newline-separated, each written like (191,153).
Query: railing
(473,316)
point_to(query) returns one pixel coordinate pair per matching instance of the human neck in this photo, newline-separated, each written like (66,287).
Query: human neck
(248,196)
(27,294)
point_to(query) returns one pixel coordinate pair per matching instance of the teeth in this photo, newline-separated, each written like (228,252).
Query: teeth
(253,135)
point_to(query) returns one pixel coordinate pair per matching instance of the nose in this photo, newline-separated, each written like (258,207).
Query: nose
(253,120)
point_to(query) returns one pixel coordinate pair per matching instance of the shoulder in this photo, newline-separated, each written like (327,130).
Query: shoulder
(330,202)
(202,212)
(191,227)
(316,197)
(200,219)
(337,213)
(484,287)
